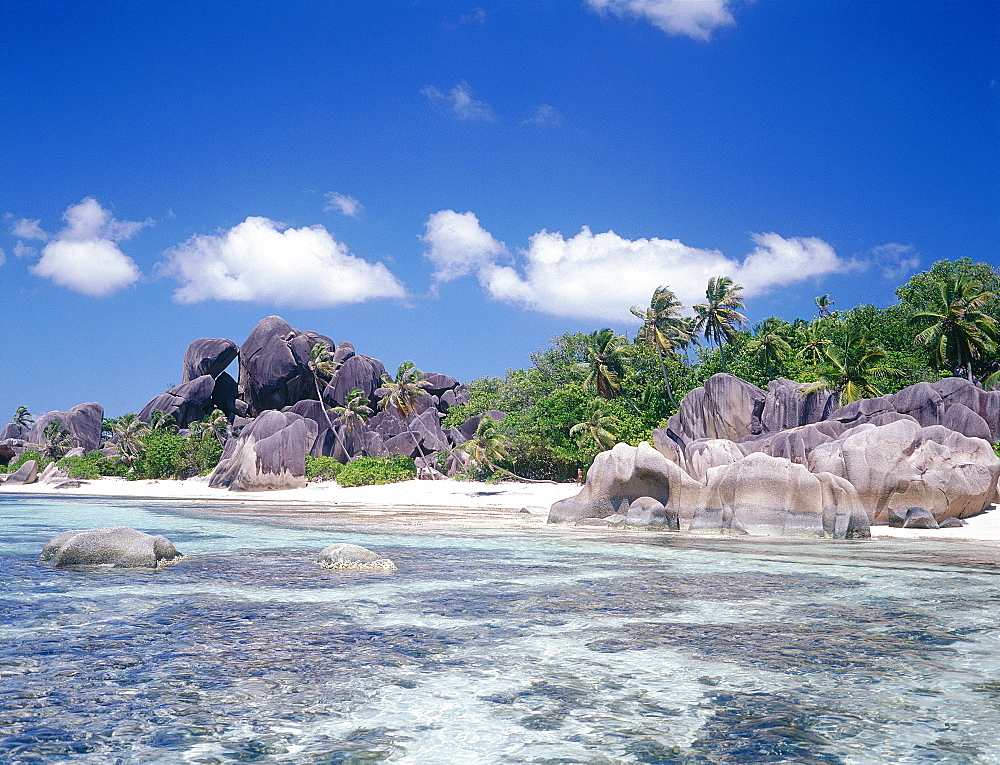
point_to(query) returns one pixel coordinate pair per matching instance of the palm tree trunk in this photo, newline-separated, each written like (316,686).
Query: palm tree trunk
(666,379)
(722,354)
(329,422)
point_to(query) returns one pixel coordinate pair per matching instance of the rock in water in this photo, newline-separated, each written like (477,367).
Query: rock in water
(269,454)
(353,558)
(117,546)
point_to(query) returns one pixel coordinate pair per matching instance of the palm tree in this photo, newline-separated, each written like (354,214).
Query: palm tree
(823,303)
(663,329)
(958,330)
(605,365)
(23,418)
(485,447)
(160,420)
(719,318)
(130,431)
(57,440)
(355,411)
(815,343)
(598,426)
(322,365)
(856,370)
(770,345)
(403,392)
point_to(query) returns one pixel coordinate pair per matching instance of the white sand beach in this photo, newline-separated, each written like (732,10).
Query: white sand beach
(458,503)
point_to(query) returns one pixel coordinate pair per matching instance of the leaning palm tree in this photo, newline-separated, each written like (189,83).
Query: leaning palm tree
(719,318)
(958,330)
(130,431)
(663,329)
(323,367)
(23,418)
(823,303)
(605,365)
(856,370)
(160,420)
(771,345)
(598,427)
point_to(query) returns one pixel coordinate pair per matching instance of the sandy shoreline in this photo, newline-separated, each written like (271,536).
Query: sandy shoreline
(458,503)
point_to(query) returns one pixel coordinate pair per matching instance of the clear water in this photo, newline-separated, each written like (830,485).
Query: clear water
(550,646)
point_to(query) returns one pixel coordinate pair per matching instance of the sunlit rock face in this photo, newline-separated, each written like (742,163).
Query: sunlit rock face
(816,480)
(117,546)
(269,454)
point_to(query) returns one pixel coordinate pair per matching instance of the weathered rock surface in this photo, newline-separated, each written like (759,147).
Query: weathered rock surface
(13,430)
(274,365)
(208,356)
(353,558)
(646,512)
(269,454)
(27,473)
(7,453)
(788,405)
(358,371)
(117,546)
(725,407)
(187,402)
(83,421)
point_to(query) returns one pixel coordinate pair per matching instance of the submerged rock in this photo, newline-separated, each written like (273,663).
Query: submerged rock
(116,546)
(353,558)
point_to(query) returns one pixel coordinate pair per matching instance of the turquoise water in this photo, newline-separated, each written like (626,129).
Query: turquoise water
(548,646)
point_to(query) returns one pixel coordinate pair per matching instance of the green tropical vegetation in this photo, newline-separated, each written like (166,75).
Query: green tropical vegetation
(367,471)
(585,392)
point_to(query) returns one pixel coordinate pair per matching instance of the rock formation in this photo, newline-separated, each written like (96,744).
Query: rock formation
(83,421)
(269,454)
(208,356)
(117,546)
(187,403)
(922,454)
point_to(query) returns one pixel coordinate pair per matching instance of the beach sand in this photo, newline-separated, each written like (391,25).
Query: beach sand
(464,504)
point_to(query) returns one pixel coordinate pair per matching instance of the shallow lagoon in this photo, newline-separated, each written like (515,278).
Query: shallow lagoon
(553,646)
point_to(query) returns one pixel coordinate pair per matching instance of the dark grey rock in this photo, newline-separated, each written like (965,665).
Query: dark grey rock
(358,371)
(226,395)
(353,558)
(438,384)
(117,546)
(208,356)
(787,405)
(13,430)
(725,407)
(84,421)
(274,365)
(343,352)
(952,523)
(919,518)
(7,453)
(187,402)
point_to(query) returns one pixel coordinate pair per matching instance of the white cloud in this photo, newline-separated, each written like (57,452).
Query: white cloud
(349,206)
(84,255)
(262,261)
(21,250)
(29,229)
(458,245)
(545,115)
(894,260)
(696,19)
(599,276)
(460,102)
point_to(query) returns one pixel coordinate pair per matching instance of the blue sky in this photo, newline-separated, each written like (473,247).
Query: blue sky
(457,182)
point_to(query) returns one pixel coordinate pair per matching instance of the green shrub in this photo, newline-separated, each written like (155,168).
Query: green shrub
(366,471)
(86,468)
(37,456)
(996,448)
(322,468)
(167,456)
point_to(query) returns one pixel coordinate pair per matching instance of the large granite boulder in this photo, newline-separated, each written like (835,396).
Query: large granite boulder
(313,410)
(226,396)
(725,407)
(622,475)
(702,455)
(358,371)
(438,384)
(84,421)
(208,356)
(341,557)
(117,546)
(7,453)
(901,465)
(27,473)
(13,430)
(269,454)
(187,402)
(770,496)
(274,365)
